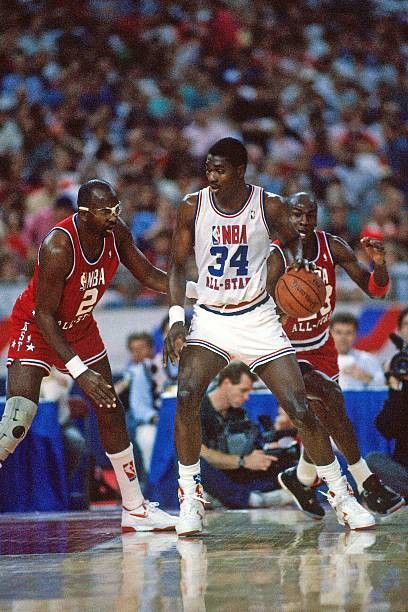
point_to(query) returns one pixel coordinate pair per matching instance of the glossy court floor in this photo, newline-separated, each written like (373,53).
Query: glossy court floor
(253,560)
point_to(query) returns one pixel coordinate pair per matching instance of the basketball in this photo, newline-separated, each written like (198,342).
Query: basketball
(300,293)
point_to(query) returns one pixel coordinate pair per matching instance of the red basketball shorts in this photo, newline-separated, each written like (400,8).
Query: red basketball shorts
(323,359)
(29,347)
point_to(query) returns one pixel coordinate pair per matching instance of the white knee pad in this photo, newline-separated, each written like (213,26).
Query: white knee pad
(15,423)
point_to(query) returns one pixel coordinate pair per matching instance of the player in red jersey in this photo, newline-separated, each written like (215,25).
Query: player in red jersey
(317,355)
(53,324)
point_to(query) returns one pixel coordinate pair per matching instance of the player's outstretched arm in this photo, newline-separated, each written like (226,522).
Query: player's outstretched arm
(56,260)
(281,227)
(181,248)
(376,283)
(136,262)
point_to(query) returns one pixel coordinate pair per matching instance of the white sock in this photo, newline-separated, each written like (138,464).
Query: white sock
(190,476)
(306,472)
(360,472)
(124,466)
(331,473)
(267,499)
(255,499)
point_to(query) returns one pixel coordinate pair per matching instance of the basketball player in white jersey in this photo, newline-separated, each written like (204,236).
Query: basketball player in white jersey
(230,224)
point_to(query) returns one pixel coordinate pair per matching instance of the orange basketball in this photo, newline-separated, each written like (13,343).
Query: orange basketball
(300,293)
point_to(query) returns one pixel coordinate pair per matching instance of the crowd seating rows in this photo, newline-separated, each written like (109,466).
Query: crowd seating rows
(135,92)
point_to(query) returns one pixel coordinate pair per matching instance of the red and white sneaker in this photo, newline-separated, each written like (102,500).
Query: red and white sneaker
(192,512)
(349,512)
(148,517)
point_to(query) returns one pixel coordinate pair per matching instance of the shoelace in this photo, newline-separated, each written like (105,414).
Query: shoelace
(196,496)
(338,498)
(152,506)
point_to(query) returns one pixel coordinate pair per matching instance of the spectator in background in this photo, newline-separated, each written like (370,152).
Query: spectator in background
(358,369)
(396,150)
(140,378)
(44,194)
(403,324)
(39,224)
(235,468)
(11,139)
(167,375)
(56,388)
(157,251)
(392,420)
(159,80)
(9,269)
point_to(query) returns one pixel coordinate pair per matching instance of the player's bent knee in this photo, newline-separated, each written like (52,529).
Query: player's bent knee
(336,410)
(302,415)
(15,423)
(335,398)
(188,398)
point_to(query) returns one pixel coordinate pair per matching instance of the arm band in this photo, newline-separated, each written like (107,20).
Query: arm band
(176,314)
(377,290)
(76,366)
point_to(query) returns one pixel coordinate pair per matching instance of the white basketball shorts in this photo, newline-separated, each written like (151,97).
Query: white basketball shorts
(254,336)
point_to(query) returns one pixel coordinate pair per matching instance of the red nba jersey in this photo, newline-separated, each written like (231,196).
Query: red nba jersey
(310,333)
(85,284)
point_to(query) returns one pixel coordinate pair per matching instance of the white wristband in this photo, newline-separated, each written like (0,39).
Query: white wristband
(176,314)
(76,366)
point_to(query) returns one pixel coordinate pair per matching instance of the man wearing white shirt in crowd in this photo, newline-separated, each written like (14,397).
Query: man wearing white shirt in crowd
(358,369)
(139,378)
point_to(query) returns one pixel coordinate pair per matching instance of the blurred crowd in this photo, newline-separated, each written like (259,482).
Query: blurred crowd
(135,92)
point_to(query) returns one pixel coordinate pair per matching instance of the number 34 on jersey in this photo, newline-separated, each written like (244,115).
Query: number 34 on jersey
(230,254)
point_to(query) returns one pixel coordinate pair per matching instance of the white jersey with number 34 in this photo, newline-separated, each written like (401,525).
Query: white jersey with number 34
(231,250)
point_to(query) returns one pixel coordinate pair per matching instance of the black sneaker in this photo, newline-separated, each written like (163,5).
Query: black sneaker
(379,498)
(304,497)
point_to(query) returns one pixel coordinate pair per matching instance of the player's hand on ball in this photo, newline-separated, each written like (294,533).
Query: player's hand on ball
(374,249)
(174,342)
(97,389)
(298,264)
(300,293)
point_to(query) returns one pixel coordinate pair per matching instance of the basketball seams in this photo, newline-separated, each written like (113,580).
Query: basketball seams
(308,284)
(288,289)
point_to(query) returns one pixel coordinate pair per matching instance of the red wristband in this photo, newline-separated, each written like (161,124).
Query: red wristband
(377,290)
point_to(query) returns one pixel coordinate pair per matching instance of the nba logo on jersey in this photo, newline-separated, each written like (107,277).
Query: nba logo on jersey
(83,281)
(216,234)
(130,470)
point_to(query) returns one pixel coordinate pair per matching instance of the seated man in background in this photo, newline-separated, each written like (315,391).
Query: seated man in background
(240,465)
(358,369)
(392,420)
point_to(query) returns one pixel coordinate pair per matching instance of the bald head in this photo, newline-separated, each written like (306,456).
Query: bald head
(301,199)
(94,193)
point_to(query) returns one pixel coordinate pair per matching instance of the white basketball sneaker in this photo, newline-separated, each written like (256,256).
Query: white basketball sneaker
(148,517)
(349,512)
(192,512)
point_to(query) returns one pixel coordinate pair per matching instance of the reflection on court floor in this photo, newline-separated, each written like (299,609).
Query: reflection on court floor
(246,560)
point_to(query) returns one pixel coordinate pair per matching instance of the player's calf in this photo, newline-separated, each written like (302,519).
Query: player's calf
(15,423)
